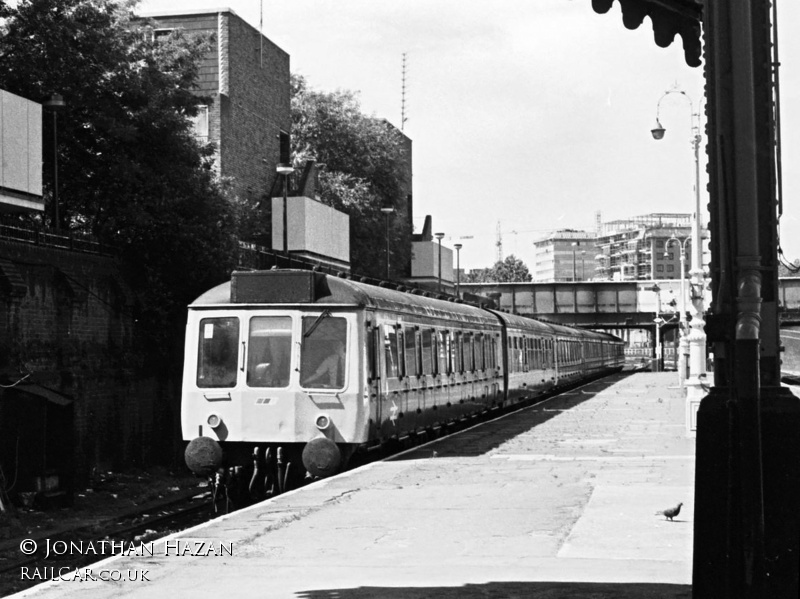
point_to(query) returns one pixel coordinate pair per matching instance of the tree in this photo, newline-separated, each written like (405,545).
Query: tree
(510,270)
(363,156)
(130,171)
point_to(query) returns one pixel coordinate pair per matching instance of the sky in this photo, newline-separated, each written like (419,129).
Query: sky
(525,117)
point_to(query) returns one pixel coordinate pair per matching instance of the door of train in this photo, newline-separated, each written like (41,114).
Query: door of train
(374,372)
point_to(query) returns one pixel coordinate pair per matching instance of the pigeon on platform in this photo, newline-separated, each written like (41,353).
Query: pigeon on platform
(671,512)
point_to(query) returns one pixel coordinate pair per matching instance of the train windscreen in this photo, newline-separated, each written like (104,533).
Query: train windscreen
(269,353)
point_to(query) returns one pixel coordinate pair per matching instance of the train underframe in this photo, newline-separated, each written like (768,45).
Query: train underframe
(242,473)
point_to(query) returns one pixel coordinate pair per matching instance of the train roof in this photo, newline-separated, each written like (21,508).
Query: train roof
(549,327)
(513,320)
(300,287)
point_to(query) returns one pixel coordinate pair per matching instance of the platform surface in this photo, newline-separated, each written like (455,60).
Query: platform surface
(556,500)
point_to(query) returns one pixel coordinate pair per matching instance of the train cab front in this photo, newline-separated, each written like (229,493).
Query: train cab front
(271,393)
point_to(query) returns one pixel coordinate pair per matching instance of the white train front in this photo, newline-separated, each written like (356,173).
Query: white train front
(289,372)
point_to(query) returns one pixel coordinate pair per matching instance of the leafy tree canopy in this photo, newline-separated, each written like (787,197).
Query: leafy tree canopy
(510,270)
(362,157)
(130,171)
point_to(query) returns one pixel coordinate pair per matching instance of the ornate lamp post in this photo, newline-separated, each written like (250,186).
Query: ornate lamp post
(387,210)
(683,344)
(439,237)
(697,336)
(458,247)
(55,103)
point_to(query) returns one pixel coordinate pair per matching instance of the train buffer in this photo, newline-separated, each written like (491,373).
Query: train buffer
(558,499)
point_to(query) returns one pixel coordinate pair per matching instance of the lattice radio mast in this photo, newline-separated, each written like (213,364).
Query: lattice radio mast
(499,243)
(403,117)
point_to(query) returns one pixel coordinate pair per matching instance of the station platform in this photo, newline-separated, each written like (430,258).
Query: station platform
(555,500)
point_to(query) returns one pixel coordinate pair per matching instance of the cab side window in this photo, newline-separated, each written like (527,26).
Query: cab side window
(323,352)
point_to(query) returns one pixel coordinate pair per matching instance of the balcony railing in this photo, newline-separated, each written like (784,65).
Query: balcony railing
(16,230)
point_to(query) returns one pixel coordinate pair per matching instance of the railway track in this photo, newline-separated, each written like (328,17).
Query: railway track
(80,547)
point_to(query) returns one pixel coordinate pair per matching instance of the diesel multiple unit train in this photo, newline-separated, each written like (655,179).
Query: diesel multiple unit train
(288,372)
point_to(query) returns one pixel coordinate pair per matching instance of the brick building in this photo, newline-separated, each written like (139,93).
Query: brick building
(247,77)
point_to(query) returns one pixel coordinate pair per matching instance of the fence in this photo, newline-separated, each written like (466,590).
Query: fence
(16,230)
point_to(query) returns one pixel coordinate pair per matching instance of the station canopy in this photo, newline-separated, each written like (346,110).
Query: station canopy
(669,18)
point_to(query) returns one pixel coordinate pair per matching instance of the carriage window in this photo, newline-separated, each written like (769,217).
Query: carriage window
(443,343)
(427,351)
(458,362)
(523,354)
(269,351)
(411,353)
(479,341)
(390,351)
(468,361)
(323,352)
(218,354)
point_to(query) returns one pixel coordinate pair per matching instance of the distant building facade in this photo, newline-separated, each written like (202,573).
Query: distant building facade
(637,249)
(564,255)
(247,77)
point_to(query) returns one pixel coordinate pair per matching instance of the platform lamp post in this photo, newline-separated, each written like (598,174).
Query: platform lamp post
(574,272)
(55,103)
(658,321)
(439,237)
(583,265)
(458,247)
(285,170)
(683,343)
(387,211)
(697,336)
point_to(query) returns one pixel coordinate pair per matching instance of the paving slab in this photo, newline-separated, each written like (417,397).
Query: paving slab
(555,500)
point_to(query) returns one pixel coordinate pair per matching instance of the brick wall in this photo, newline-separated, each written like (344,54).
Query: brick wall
(248,77)
(259,107)
(71,325)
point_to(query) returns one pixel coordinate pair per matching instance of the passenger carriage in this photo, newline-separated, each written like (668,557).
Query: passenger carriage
(313,366)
